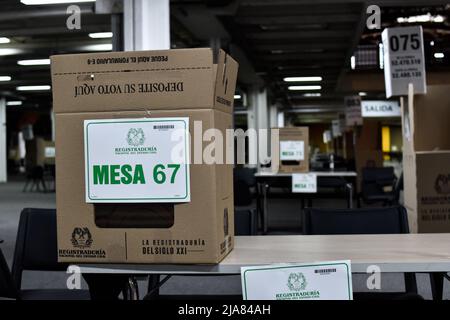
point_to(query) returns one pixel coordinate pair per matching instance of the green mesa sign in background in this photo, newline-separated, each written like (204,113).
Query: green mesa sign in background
(137,160)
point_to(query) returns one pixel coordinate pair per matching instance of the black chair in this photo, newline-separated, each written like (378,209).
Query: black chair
(245,222)
(36,250)
(243,182)
(388,220)
(378,186)
(7,288)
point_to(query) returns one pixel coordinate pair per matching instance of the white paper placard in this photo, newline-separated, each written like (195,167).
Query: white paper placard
(292,150)
(309,281)
(137,160)
(404,60)
(353,116)
(380,109)
(327,136)
(304,183)
(49,152)
(336,128)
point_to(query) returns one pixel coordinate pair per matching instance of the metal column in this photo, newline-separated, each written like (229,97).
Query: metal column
(146,25)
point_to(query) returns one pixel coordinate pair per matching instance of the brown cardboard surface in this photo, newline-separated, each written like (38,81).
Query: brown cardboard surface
(294,134)
(426,160)
(184,77)
(200,231)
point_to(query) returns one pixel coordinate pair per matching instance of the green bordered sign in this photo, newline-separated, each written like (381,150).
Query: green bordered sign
(309,281)
(292,150)
(137,160)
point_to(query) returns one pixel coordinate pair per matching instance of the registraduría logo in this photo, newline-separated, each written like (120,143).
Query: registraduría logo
(81,237)
(135,137)
(442,184)
(297,282)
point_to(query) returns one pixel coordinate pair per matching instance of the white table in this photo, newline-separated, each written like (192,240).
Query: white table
(392,253)
(429,253)
(263,180)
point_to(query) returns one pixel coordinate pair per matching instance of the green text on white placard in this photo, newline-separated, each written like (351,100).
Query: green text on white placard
(137,160)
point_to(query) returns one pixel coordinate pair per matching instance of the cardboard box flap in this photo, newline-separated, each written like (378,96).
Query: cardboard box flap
(139,80)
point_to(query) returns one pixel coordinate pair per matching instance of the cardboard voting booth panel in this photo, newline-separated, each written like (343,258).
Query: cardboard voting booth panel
(426,159)
(121,198)
(293,149)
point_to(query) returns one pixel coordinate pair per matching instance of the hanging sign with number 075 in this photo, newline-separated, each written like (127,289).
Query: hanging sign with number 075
(403,60)
(137,160)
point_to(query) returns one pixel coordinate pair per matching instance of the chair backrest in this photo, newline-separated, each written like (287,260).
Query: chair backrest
(244,222)
(7,288)
(243,180)
(386,220)
(36,243)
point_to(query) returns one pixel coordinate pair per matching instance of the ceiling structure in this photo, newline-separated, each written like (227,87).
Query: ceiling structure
(271,40)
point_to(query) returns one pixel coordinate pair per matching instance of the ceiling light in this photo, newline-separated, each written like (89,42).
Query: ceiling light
(432,43)
(33,88)
(98,47)
(14,103)
(362,94)
(9,51)
(5,78)
(302,79)
(304,87)
(237,96)
(352,62)
(312,95)
(4,40)
(101,35)
(422,18)
(439,55)
(34,62)
(39,2)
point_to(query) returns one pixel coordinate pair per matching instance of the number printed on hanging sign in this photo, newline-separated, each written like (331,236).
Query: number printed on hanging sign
(404,60)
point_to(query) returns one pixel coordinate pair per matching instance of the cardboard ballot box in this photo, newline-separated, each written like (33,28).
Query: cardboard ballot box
(40,152)
(426,159)
(126,190)
(292,150)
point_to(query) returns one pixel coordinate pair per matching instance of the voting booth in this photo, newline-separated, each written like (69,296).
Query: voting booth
(127,191)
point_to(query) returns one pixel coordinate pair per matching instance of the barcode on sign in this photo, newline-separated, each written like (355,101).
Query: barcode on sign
(325,271)
(163,126)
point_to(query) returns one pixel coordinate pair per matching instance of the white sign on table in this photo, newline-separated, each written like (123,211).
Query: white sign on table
(304,183)
(380,109)
(292,150)
(353,116)
(404,60)
(137,160)
(309,281)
